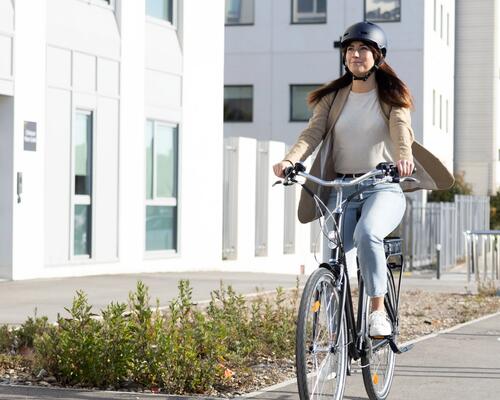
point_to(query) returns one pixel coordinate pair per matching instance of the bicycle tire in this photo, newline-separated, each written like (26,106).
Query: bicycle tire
(320,371)
(378,367)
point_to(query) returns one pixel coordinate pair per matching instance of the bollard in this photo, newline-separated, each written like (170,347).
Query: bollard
(438,261)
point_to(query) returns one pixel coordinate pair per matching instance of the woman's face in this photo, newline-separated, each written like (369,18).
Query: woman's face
(359,58)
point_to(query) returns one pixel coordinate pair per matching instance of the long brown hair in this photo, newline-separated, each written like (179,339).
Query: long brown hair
(391,89)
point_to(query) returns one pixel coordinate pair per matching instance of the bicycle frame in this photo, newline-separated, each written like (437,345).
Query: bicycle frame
(357,327)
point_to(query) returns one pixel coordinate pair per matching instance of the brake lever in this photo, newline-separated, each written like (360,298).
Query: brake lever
(278,182)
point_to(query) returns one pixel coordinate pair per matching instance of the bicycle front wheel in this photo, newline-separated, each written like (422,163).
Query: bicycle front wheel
(379,360)
(321,366)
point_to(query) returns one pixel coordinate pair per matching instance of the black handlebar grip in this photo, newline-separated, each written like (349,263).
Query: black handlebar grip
(288,170)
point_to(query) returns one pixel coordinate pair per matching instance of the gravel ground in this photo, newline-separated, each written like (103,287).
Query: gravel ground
(421,313)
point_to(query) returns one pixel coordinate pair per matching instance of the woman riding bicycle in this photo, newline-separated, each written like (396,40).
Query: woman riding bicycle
(362,119)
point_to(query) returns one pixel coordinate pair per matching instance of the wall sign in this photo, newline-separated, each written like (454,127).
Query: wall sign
(29,136)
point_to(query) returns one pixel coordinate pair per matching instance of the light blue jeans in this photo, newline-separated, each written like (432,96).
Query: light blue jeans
(382,209)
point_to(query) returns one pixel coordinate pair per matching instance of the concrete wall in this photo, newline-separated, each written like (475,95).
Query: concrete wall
(477,95)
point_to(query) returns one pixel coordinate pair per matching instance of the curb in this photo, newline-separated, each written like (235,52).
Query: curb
(413,341)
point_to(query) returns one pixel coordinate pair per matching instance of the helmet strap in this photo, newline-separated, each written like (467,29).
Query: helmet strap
(371,71)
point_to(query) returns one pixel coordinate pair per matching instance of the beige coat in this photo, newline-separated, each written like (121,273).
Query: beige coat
(431,173)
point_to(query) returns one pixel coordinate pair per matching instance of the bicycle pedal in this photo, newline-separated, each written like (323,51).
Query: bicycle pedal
(399,350)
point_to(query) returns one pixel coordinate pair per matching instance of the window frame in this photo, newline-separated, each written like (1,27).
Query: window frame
(291,86)
(385,21)
(78,199)
(161,201)
(292,14)
(253,97)
(107,4)
(241,24)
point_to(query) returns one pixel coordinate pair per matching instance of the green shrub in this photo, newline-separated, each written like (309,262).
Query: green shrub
(7,339)
(184,350)
(495,211)
(33,327)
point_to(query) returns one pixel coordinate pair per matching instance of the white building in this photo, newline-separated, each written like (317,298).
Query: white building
(110,113)
(477,85)
(277,51)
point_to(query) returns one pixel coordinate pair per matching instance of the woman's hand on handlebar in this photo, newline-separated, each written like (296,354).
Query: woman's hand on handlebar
(405,167)
(279,168)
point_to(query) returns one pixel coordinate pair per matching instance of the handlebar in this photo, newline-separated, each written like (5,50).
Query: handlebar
(386,172)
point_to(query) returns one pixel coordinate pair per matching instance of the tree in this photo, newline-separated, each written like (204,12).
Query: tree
(448,195)
(495,211)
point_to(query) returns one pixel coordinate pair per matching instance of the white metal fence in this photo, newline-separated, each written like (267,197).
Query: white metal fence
(425,226)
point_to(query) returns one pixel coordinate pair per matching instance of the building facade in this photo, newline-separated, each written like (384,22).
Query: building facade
(105,118)
(477,85)
(278,51)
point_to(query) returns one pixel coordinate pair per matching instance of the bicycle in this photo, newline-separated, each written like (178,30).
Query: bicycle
(328,335)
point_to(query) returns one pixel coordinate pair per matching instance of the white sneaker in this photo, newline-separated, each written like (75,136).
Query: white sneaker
(379,324)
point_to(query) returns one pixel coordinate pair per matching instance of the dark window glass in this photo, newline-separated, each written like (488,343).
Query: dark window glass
(299,109)
(239,12)
(383,10)
(308,11)
(238,104)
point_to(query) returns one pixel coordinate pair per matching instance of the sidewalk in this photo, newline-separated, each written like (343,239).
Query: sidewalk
(461,363)
(19,299)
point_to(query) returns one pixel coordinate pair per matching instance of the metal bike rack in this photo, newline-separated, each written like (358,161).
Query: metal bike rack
(482,255)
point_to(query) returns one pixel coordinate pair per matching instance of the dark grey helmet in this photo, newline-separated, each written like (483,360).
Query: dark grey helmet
(366,32)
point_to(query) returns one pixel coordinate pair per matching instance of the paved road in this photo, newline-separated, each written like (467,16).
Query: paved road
(18,299)
(459,364)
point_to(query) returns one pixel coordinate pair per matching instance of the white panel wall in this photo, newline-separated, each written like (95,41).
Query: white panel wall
(132,116)
(6,184)
(29,105)
(84,26)
(6,46)
(57,177)
(106,186)
(82,73)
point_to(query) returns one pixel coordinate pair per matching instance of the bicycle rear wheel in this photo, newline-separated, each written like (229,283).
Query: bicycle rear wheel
(321,368)
(379,361)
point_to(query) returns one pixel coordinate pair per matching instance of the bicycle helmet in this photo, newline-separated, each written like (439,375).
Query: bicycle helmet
(366,32)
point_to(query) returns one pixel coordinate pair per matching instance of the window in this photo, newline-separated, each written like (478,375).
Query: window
(383,10)
(239,12)
(161,186)
(238,103)
(82,172)
(161,9)
(308,11)
(299,110)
